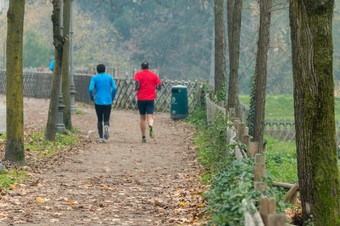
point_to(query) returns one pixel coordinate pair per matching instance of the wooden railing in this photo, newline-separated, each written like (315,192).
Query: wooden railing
(126,97)
(38,85)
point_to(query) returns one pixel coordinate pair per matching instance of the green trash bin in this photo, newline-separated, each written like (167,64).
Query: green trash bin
(179,102)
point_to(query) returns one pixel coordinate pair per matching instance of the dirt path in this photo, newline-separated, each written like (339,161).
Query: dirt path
(120,182)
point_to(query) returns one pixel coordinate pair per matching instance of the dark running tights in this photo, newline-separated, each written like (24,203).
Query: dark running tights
(103,112)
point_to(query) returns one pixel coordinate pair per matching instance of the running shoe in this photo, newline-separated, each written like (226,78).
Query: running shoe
(143,139)
(101,140)
(106,132)
(152,132)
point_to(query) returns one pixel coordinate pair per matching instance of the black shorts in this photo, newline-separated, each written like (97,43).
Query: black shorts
(146,106)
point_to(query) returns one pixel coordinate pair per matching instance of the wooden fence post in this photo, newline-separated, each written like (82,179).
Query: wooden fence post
(241,131)
(237,123)
(276,219)
(261,187)
(253,148)
(259,167)
(291,195)
(232,112)
(267,206)
(246,138)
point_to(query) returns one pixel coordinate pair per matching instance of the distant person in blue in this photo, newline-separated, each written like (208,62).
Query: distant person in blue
(52,65)
(105,92)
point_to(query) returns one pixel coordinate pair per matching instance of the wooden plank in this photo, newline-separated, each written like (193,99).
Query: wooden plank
(276,219)
(267,207)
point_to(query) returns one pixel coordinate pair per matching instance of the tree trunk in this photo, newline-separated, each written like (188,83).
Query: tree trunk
(66,65)
(234,36)
(58,42)
(14,77)
(312,55)
(261,70)
(220,51)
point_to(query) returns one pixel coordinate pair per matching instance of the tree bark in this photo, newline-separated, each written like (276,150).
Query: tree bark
(234,36)
(58,42)
(66,64)
(312,55)
(14,78)
(261,70)
(220,50)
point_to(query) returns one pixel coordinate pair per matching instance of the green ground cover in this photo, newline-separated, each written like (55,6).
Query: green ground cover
(223,173)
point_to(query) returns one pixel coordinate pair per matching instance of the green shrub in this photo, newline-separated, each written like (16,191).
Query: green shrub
(226,193)
(212,148)
(198,117)
(232,180)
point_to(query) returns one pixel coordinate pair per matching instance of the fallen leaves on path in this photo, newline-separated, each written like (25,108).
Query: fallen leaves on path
(121,182)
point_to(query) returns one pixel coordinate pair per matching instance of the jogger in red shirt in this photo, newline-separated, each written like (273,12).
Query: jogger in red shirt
(146,83)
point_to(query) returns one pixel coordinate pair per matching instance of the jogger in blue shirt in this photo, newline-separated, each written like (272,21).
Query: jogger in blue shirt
(105,92)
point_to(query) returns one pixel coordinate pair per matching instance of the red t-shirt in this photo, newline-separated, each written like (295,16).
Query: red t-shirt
(147,87)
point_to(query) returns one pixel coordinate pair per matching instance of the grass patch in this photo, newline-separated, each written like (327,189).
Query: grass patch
(36,142)
(281,162)
(7,178)
(282,106)
(79,112)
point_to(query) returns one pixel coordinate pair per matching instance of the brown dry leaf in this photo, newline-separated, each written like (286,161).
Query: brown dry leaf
(201,205)
(107,188)
(71,203)
(41,199)
(183,204)
(86,186)
(162,214)
(13,186)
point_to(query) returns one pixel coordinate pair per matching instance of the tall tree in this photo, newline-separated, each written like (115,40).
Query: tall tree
(66,64)
(312,55)
(220,51)
(14,77)
(261,70)
(58,42)
(234,9)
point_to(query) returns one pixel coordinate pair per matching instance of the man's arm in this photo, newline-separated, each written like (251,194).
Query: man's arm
(91,88)
(137,84)
(114,89)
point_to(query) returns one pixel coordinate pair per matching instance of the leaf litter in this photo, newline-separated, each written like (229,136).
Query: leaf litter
(120,182)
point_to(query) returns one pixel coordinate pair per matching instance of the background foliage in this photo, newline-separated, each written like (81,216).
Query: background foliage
(175,36)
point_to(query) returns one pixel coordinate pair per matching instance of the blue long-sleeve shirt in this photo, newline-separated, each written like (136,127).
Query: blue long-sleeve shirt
(105,89)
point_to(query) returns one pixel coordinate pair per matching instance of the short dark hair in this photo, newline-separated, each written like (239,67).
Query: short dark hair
(145,65)
(100,68)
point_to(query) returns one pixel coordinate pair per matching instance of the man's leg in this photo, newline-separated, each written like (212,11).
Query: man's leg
(142,124)
(142,121)
(149,110)
(106,113)
(150,119)
(99,112)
